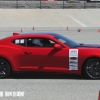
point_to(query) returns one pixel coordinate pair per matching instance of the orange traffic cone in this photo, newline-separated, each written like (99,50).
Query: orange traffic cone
(99,96)
(99,30)
(67,28)
(21,30)
(33,28)
(79,30)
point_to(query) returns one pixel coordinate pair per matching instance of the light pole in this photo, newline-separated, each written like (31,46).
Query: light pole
(16,3)
(84,4)
(40,4)
(63,4)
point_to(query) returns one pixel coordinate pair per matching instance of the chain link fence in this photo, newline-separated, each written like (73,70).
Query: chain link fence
(40,4)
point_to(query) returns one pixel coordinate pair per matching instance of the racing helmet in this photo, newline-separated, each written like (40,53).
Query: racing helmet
(37,42)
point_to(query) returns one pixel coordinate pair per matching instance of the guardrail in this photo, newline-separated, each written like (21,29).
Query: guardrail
(42,4)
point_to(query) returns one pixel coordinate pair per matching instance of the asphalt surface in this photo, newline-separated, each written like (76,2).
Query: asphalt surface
(57,18)
(86,35)
(52,86)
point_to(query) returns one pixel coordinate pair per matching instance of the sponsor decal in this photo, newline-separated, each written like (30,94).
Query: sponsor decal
(19,41)
(71,62)
(12,94)
(73,59)
(22,41)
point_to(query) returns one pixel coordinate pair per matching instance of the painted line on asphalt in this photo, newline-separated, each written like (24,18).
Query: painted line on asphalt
(77,21)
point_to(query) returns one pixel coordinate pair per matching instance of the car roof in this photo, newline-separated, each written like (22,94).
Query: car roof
(38,33)
(30,34)
(35,34)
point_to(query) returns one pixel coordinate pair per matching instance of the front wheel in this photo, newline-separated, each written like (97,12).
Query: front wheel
(92,68)
(4,68)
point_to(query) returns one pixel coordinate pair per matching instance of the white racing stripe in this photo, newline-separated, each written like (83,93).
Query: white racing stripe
(77,21)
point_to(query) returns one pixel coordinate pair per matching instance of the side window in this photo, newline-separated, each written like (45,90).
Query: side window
(40,42)
(19,42)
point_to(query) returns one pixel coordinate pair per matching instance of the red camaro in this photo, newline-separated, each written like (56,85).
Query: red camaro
(48,52)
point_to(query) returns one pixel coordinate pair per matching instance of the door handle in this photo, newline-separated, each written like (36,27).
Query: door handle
(27,52)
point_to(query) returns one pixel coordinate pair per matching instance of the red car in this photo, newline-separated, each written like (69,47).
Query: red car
(48,52)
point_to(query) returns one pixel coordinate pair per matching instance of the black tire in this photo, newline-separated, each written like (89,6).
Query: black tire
(91,68)
(5,68)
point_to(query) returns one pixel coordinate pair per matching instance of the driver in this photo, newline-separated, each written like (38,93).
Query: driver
(37,42)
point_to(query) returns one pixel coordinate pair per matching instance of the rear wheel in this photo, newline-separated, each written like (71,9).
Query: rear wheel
(5,68)
(92,68)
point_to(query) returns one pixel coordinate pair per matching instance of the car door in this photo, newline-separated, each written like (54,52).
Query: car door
(44,58)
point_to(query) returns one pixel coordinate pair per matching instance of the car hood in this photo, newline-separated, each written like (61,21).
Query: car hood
(90,45)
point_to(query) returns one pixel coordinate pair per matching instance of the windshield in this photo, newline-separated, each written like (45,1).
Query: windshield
(66,41)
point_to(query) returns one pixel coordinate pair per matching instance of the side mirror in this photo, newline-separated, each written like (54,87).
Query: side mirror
(57,46)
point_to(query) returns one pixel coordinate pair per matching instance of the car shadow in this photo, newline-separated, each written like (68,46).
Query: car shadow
(45,76)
